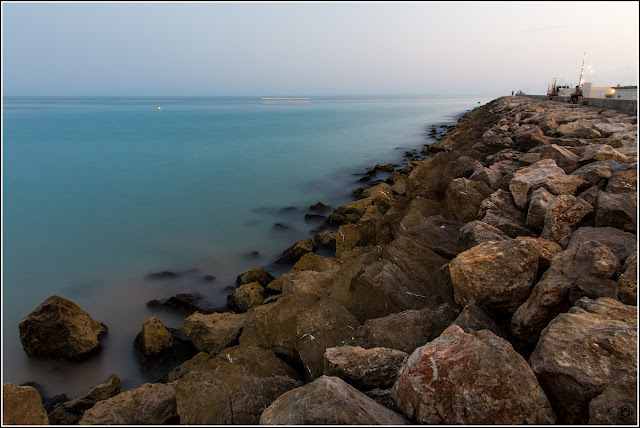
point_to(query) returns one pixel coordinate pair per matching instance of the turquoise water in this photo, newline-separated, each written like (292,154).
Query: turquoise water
(100,192)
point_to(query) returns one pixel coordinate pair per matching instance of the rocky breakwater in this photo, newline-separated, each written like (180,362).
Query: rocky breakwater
(492,283)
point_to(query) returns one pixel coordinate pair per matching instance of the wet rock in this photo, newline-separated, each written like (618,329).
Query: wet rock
(405,331)
(564,214)
(618,403)
(619,242)
(387,168)
(297,250)
(477,232)
(72,411)
(320,207)
(328,400)
(364,369)
(22,405)
(161,275)
(59,329)
(185,303)
(246,296)
(281,227)
(150,404)
(544,173)
(628,281)
(582,352)
(617,210)
(495,274)
(256,274)
(585,270)
(156,346)
(314,218)
(541,201)
(475,378)
(212,333)
(223,391)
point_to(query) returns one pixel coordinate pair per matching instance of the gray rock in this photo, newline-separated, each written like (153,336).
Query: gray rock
(364,369)
(473,318)
(582,352)
(617,210)
(619,242)
(328,401)
(477,232)
(475,378)
(597,173)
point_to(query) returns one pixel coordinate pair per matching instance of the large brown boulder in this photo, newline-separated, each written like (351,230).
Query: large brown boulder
(365,369)
(22,405)
(59,329)
(246,296)
(328,401)
(462,199)
(475,378)
(624,182)
(619,242)
(214,332)
(602,152)
(563,216)
(149,404)
(544,173)
(500,211)
(564,158)
(496,274)
(582,352)
(584,270)
(597,173)
(72,411)
(618,403)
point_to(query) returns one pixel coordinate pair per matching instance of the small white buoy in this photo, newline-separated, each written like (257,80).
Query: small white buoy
(159,108)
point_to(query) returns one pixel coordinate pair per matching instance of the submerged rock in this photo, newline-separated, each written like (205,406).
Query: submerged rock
(257,274)
(297,250)
(59,329)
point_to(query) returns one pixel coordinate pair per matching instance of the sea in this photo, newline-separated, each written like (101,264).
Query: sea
(100,192)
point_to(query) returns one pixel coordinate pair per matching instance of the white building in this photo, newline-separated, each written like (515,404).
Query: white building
(625,92)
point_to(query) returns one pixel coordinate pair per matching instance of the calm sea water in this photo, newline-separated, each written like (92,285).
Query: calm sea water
(100,192)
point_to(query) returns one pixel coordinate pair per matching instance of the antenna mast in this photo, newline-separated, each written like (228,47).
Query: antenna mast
(581,69)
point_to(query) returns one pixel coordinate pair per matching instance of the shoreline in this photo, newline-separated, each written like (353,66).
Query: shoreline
(420,250)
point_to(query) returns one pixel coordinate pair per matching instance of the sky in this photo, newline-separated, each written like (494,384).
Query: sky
(323,48)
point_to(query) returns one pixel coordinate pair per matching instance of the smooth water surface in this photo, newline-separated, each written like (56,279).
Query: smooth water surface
(100,192)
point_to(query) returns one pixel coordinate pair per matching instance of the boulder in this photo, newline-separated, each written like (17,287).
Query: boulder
(541,201)
(256,274)
(328,401)
(577,129)
(477,232)
(582,352)
(619,242)
(585,270)
(212,333)
(223,391)
(529,137)
(564,158)
(564,214)
(544,173)
(149,404)
(156,346)
(495,274)
(297,250)
(72,411)
(258,362)
(624,182)
(500,211)
(474,378)
(59,329)
(618,403)
(462,199)
(246,296)
(22,405)
(607,129)
(364,369)
(628,281)
(597,173)
(474,318)
(326,239)
(186,367)
(405,331)
(490,176)
(617,210)
(602,152)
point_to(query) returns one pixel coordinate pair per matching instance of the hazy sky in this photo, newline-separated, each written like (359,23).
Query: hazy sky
(236,48)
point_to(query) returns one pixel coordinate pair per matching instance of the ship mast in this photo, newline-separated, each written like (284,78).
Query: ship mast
(581,70)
